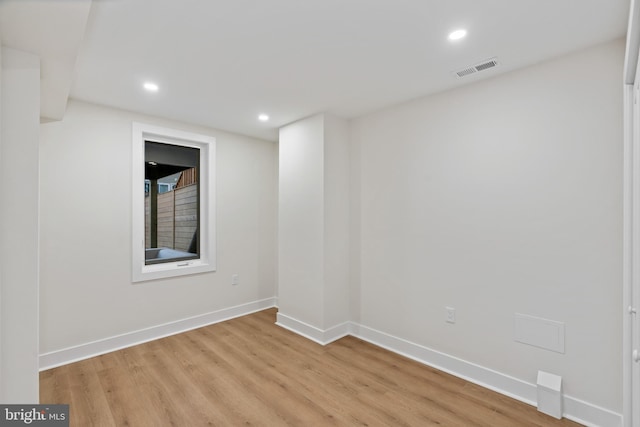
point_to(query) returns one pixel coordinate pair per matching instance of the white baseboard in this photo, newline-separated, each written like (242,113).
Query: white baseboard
(574,409)
(589,414)
(106,345)
(322,337)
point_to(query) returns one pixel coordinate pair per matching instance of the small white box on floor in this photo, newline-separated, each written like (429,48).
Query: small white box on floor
(550,394)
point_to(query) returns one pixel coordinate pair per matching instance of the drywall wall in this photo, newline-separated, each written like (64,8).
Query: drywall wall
(86,288)
(301,221)
(498,198)
(1,222)
(313,230)
(20,115)
(355,235)
(336,221)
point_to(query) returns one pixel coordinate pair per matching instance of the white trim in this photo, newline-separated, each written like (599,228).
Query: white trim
(493,380)
(322,337)
(627,255)
(588,414)
(631,214)
(633,165)
(106,345)
(304,329)
(574,409)
(633,44)
(207,145)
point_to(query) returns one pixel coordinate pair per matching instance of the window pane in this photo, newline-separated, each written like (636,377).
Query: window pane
(172,203)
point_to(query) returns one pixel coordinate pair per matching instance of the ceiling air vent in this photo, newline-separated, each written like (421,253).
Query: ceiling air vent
(484,65)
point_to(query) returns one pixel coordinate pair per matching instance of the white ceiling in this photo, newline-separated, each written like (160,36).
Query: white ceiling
(221,63)
(53,30)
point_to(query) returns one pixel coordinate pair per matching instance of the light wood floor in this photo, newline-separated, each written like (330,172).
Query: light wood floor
(248,371)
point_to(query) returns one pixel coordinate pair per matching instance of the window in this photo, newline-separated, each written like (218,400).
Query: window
(173,203)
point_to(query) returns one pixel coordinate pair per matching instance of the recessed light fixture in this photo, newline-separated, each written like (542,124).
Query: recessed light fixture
(263,118)
(457,34)
(151,87)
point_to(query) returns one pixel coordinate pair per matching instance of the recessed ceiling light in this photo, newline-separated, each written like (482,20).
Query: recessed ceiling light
(263,117)
(457,34)
(151,87)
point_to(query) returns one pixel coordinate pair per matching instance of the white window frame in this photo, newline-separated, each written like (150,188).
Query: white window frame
(207,145)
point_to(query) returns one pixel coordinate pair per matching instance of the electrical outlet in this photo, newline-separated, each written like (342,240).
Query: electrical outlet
(451,314)
(235,280)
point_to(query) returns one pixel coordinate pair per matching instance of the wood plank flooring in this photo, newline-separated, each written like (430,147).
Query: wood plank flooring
(248,371)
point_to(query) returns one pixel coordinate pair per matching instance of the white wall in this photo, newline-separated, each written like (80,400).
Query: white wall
(86,289)
(1,222)
(355,233)
(314,223)
(20,108)
(500,197)
(301,221)
(336,221)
